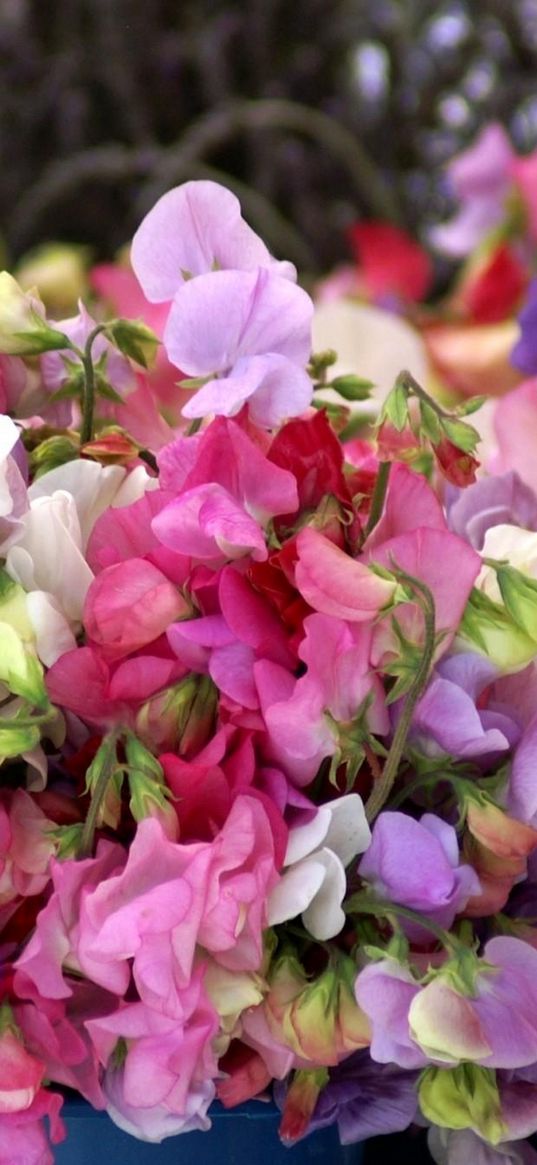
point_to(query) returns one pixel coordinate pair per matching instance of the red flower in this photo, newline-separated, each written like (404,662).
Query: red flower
(457,466)
(391,261)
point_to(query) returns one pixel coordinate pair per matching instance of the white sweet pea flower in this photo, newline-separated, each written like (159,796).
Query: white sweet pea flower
(13,498)
(507,543)
(313,882)
(94,488)
(48,555)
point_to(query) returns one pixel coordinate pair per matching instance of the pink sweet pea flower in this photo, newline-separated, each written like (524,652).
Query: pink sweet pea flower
(335,584)
(446,564)
(20,1074)
(26,846)
(227,492)
(166,1082)
(171,897)
(23,1140)
(129,605)
(251,331)
(515,424)
(304,722)
(192,230)
(61,932)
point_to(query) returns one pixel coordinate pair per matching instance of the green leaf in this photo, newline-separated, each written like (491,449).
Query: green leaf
(429,422)
(104,388)
(464,436)
(470,406)
(396,407)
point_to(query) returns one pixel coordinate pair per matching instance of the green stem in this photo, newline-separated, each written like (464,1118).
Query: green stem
(149,458)
(408,381)
(194,426)
(382,788)
(379,496)
(109,767)
(88,407)
(361,903)
(422,782)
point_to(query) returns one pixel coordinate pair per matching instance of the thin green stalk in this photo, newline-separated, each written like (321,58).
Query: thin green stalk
(88,406)
(407,380)
(379,496)
(361,903)
(382,788)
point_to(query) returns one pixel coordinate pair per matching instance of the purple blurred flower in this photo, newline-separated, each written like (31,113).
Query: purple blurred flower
(447,718)
(524,353)
(491,501)
(365,1099)
(416,864)
(480,179)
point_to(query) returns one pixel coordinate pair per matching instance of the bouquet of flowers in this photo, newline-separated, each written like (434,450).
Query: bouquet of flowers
(268,722)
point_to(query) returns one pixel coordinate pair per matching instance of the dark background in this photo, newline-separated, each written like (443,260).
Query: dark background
(106,103)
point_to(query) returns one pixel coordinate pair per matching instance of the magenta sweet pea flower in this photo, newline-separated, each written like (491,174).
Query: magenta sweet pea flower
(192,230)
(416,864)
(226,492)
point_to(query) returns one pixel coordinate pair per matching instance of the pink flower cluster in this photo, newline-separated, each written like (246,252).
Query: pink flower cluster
(267,721)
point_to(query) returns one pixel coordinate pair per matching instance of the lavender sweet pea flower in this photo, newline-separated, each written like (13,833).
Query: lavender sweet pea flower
(416,864)
(365,1099)
(192,230)
(480,179)
(462,1146)
(249,333)
(448,720)
(491,501)
(522,788)
(524,354)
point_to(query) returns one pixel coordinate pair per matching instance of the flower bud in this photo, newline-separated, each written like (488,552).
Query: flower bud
(319,1020)
(24,330)
(181,718)
(149,794)
(465,1097)
(300,1101)
(21,1074)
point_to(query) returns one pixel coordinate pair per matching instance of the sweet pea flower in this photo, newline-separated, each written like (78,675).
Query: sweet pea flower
(21,1074)
(248,334)
(26,846)
(449,717)
(226,492)
(364,1098)
(335,584)
(319,714)
(313,881)
(24,330)
(459,1146)
(515,426)
(513,545)
(192,230)
(166,1081)
(480,178)
(416,864)
(13,493)
(492,501)
(171,897)
(95,489)
(129,605)
(495,1025)
(23,1140)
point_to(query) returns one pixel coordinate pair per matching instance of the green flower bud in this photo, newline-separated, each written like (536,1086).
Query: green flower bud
(465,1097)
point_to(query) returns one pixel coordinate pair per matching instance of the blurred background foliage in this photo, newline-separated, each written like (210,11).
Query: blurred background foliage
(317,112)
